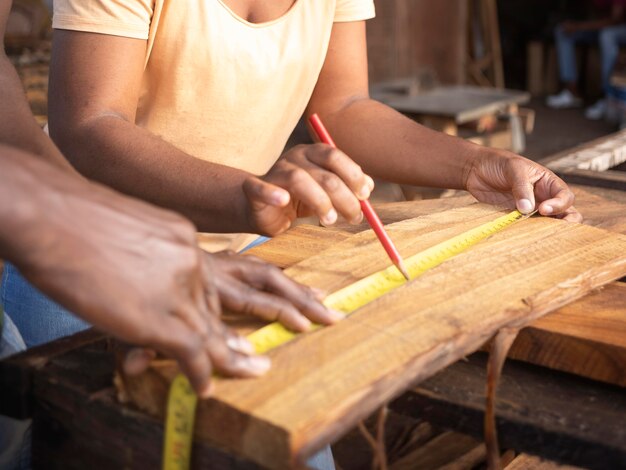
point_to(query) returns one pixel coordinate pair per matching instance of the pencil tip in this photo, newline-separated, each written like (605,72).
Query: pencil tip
(403,270)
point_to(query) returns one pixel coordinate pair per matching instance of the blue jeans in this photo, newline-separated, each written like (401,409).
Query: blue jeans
(38,318)
(41,320)
(14,434)
(609,40)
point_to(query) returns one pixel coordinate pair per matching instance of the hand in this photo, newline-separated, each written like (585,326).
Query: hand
(128,268)
(245,284)
(502,178)
(307,180)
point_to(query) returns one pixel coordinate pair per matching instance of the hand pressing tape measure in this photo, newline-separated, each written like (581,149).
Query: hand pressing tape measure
(182,400)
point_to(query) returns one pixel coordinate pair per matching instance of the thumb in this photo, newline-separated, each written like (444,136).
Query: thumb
(261,193)
(523,190)
(138,360)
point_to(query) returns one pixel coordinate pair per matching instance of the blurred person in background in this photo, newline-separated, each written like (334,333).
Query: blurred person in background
(608,31)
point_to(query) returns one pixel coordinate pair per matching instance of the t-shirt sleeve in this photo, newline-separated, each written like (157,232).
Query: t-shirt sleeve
(128,18)
(354,10)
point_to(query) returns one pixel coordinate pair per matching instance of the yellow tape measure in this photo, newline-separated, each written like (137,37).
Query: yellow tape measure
(182,401)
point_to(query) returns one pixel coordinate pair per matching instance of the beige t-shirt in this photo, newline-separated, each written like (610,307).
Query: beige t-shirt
(216,86)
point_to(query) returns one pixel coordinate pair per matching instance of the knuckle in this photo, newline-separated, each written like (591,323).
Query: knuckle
(330,182)
(191,347)
(333,156)
(297,176)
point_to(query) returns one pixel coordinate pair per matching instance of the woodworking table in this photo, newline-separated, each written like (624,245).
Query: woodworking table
(447,108)
(573,412)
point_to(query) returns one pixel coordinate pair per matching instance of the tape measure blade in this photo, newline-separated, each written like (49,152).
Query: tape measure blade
(181,412)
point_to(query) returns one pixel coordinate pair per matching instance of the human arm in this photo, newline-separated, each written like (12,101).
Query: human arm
(95,82)
(395,148)
(18,127)
(135,271)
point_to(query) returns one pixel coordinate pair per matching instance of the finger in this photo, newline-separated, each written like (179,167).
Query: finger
(264,276)
(305,299)
(522,188)
(560,196)
(211,295)
(177,340)
(242,298)
(306,190)
(572,215)
(233,363)
(337,162)
(238,343)
(261,193)
(342,197)
(138,360)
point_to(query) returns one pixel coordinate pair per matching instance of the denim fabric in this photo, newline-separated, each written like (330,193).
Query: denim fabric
(15,437)
(566,51)
(609,40)
(38,318)
(257,242)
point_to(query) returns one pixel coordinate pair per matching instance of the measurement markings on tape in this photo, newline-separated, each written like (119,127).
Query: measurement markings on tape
(356,295)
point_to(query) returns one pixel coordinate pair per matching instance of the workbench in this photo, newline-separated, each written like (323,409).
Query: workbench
(557,410)
(448,108)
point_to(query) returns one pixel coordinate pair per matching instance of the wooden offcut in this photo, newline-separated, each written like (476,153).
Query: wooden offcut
(323,383)
(586,338)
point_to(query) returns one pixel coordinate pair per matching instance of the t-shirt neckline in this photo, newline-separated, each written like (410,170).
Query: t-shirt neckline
(265,24)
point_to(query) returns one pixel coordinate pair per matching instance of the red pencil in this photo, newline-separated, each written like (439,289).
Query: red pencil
(366,207)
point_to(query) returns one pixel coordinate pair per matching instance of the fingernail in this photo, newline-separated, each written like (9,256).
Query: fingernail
(364,192)
(207,391)
(280,198)
(260,364)
(547,209)
(525,206)
(357,220)
(335,315)
(370,182)
(330,218)
(240,344)
(304,324)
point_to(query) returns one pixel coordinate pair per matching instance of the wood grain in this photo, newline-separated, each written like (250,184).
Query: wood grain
(322,383)
(586,338)
(530,462)
(580,338)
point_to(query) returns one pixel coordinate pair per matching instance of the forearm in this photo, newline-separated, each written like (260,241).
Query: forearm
(26,183)
(392,147)
(18,127)
(134,161)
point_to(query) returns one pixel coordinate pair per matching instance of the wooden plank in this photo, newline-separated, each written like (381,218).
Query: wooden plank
(79,422)
(600,155)
(605,179)
(603,208)
(559,416)
(16,372)
(586,338)
(314,392)
(531,462)
(300,243)
(583,338)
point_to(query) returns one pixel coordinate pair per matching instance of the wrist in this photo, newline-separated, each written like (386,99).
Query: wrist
(21,216)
